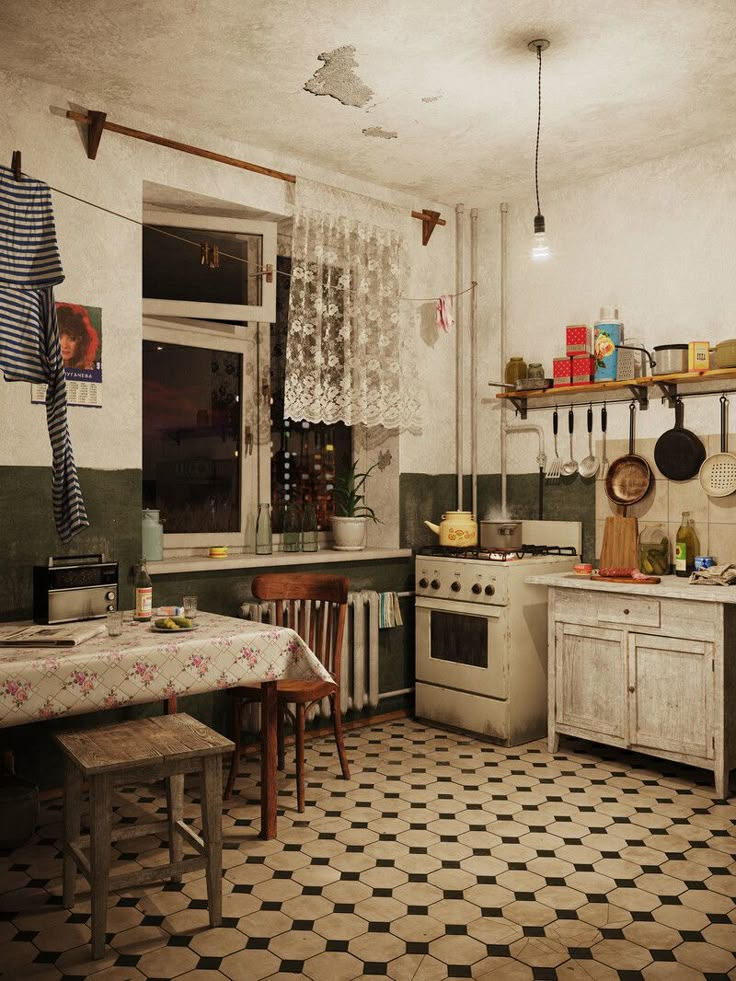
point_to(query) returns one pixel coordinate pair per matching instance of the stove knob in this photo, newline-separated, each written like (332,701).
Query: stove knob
(423,583)
(435,584)
(490,590)
(455,587)
(477,588)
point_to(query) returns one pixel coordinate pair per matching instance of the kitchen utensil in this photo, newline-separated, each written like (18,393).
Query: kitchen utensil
(629,477)
(589,466)
(619,549)
(500,534)
(571,467)
(718,472)
(670,359)
(457,528)
(726,354)
(679,453)
(554,467)
(604,426)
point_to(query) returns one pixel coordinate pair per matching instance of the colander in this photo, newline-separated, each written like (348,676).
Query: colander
(718,473)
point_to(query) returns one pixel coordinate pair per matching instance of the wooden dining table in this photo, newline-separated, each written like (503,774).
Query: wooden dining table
(143,665)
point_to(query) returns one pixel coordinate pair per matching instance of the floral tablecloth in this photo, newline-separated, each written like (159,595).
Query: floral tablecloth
(144,666)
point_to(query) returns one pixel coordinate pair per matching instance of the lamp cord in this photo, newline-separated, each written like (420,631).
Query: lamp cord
(539,122)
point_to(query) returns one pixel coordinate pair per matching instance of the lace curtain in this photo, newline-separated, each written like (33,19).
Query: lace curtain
(348,355)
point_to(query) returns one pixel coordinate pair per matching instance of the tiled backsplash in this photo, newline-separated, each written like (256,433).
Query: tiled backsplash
(714,518)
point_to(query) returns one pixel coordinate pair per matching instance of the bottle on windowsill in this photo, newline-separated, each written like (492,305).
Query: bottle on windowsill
(687,546)
(143,594)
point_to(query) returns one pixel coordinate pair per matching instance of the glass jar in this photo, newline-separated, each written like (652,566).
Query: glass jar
(654,551)
(515,369)
(535,370)
(152,536)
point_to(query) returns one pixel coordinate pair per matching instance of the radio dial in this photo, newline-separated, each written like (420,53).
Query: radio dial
(455,587)
(423,583)
(477,588)
(110,608)
(490,590)
(435,584)
(109,595)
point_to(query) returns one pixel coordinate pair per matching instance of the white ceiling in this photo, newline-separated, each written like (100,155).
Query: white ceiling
(623,80)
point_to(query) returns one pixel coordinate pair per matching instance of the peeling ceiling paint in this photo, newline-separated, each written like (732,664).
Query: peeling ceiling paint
(338,79)
(378,131)
(623,81)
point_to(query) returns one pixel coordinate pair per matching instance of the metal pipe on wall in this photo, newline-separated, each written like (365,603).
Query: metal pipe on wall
(504,407)
(474,360)
(459,353)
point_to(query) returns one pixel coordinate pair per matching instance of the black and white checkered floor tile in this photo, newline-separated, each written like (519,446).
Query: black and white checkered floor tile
(442,857)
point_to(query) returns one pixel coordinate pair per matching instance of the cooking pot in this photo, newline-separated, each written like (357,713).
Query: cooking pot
(457,529)
(500,534)
(670,359)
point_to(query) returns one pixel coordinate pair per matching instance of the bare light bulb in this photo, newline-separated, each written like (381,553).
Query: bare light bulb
(540,247)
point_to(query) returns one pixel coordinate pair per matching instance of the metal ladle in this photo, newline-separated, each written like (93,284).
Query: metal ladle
(589,466)
(571,467)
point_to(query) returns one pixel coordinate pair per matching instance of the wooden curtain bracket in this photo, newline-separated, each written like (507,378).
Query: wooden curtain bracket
(429,220)
(94,132)
(16,165)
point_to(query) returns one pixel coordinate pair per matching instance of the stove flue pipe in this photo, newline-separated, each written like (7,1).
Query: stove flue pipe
(474,361)
(459,353)
(504,408)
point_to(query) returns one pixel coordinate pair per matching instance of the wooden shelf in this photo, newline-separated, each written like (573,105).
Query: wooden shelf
(639,388)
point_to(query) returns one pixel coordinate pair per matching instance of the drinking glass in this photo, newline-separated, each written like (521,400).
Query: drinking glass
(190,607)
(114,623)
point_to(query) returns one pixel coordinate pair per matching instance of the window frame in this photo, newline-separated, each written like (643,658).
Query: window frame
(265,312)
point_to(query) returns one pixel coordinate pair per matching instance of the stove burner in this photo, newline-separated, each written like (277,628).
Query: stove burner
(497,554)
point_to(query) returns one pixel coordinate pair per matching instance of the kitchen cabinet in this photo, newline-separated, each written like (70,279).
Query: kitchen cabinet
(646,668)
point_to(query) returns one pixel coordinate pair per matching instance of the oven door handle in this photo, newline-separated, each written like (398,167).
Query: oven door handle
(488,610)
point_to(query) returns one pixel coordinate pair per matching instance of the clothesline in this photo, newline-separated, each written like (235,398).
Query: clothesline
(236,258)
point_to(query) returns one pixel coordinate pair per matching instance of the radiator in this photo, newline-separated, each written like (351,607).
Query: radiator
(359,665)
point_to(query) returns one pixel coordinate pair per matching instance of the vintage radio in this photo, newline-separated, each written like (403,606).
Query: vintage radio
(74,587)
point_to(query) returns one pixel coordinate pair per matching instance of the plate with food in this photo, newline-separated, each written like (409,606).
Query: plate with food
(172,625)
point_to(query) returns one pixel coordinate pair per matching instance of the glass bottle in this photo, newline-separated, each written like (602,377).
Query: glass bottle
(264,539)
(291,529)
(143,593)
(152,536)
(310,540)
(687,546)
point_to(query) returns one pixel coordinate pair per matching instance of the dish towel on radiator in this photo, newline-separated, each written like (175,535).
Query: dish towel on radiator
(390,612)
(359,681)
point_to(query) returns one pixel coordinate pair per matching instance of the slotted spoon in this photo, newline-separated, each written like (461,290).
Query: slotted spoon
(555,466)
(718,472)
(571,467)
(589,466)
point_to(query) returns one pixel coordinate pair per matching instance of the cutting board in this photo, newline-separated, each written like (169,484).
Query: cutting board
(620,548)
(646,581)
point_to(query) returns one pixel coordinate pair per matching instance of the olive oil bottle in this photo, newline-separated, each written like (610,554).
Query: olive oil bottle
(687,546)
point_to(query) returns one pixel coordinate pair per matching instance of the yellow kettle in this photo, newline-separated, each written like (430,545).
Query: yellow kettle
(457,528)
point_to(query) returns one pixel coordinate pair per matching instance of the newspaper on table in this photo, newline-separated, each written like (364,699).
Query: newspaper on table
(53,634)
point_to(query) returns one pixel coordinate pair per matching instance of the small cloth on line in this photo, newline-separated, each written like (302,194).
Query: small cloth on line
(445,319)
(389,612)
(717,575)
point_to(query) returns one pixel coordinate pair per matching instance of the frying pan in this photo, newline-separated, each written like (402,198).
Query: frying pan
(679,453)
(629,477)
(718,473)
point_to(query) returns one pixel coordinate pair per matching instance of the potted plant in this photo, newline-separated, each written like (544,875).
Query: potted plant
(349,523)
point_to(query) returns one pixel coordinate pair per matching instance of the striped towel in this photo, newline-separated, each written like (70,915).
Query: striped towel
(30,351)
(389,612)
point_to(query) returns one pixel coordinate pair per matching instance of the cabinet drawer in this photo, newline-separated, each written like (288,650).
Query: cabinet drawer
(606,608)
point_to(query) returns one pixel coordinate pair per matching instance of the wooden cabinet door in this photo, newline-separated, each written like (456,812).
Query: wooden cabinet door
(590,666)
(671,685)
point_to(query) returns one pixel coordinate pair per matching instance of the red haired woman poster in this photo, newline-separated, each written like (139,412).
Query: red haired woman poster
(80,333)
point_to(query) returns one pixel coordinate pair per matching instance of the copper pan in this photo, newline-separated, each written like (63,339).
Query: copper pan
(629,477)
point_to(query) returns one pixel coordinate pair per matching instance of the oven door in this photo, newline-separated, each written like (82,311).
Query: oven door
(462,646)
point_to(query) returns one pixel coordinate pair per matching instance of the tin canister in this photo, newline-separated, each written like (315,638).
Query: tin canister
(704,561)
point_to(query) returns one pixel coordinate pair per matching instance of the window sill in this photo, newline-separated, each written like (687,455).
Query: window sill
(199,563)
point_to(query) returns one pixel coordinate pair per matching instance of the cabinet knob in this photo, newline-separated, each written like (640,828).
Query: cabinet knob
(632,688)
(626,612)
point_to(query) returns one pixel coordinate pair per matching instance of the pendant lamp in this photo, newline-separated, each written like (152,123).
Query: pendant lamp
(540,248)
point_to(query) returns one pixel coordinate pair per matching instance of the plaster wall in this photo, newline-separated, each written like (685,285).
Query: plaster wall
(656,240)
(101,256)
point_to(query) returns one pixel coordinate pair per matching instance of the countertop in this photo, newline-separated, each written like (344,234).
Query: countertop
(671,587)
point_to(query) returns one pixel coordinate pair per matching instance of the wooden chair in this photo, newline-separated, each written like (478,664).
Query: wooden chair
(141,751)
(326,596)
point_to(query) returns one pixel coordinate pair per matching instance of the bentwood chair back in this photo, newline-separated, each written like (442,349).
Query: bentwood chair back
(315,606)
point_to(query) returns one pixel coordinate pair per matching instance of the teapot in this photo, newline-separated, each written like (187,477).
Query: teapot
(457,529)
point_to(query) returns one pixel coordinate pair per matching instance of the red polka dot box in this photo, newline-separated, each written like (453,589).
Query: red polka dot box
(577,339)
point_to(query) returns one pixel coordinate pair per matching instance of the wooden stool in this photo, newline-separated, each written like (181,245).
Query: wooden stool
(141,751)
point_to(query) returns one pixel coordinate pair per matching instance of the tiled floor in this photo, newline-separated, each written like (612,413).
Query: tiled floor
(442,857)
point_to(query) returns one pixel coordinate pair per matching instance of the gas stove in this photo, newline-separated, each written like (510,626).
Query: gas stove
(477,553)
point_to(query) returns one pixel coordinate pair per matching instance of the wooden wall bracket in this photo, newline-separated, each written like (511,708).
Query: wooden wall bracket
(429,220)
(94,132)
